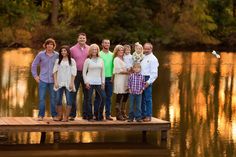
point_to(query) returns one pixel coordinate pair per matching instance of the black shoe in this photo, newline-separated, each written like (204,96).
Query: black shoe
(91,120)
(84,117)
(71,118)
(130,120)
(139,120)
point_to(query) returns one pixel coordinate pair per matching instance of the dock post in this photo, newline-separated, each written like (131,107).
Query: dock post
(163,135)
(144,136)
(43,137)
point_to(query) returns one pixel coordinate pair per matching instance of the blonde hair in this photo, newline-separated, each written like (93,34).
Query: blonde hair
(138,45)
(90,51)
(116,49)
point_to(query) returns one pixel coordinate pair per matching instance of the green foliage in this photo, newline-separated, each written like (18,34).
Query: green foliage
(167,22)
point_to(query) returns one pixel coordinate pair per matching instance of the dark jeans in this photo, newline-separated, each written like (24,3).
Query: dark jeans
(146,105)
(79,80)
(43,87)
(98,111)
(108,92)
(59,94)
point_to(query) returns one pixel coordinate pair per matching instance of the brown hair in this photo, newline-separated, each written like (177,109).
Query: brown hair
(82,33)
(116,49)
(49,41)
(90,51)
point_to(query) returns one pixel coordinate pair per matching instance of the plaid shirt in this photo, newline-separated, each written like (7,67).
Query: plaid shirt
(136,83)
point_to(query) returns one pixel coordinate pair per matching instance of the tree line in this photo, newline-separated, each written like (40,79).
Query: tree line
(175,23)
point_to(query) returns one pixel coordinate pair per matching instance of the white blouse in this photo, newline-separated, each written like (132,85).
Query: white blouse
(93,71)
(65,72)
(149,67)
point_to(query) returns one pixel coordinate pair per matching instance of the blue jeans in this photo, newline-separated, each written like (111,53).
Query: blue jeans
(108,91)
(59,96)
(43,87)
(98,111)
(79,80)
(147,101)
(135,113)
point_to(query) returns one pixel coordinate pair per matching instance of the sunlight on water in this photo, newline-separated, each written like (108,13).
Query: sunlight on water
(195,91)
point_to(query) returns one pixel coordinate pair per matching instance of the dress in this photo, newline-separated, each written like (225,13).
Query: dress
(120,80)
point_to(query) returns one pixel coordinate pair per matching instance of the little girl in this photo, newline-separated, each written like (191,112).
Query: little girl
(64,75)
(138,53)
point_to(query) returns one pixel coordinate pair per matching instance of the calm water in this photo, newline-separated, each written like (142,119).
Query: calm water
(195,91)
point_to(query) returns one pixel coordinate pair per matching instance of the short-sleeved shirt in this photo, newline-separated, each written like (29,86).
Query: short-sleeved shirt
(108,62)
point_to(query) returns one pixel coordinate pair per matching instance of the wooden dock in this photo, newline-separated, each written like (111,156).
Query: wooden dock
(30,124)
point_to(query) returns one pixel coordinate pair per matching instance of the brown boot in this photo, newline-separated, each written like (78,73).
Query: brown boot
(66,116)
(118,113)
(123,111)
(59,113)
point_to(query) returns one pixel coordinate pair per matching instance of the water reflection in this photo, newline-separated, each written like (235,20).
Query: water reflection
(195,91)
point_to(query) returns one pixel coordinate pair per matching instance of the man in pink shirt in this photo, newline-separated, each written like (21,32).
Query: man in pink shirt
(79,52)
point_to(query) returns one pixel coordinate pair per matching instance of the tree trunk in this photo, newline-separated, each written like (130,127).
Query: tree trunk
(55,8)
(234,8)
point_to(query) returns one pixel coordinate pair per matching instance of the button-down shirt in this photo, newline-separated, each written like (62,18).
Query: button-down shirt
(46,64)
(136,83)
(79,54)
(149,66)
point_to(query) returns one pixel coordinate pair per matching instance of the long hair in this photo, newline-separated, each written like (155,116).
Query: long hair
(90,51)
(68,54)
(116,49)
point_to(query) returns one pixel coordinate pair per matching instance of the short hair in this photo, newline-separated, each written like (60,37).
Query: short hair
(126,46)
(49,41)
(116,49)
(136,64)
(90,51)
(82,33)
(105,39)
(149,45)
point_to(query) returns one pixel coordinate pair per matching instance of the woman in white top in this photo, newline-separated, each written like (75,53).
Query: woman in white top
(94,78)
(120,72)
(64,75)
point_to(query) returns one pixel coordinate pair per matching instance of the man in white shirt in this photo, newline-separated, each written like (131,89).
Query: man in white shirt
(149,70)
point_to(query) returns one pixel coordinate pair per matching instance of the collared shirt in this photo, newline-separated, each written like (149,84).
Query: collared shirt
(79,54)
(46,64)
(136,83)
(108,62)
(149,66)
(65,71)
(128,60)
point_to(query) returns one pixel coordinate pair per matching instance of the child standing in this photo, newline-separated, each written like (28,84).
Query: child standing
(64,75)
(136,84)
(138,53)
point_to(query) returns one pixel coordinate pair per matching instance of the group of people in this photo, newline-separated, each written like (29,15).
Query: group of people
(129,76)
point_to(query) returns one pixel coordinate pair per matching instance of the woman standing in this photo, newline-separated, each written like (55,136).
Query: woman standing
(120,81)
(94,79)
(64,75)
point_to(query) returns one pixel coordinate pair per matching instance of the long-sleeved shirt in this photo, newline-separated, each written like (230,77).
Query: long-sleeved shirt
(65,71)
(128,60)
(149,66)
(46,64)
(93,71)
(136,83)
(79,54)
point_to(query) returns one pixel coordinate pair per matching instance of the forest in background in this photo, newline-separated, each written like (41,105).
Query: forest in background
(167,23)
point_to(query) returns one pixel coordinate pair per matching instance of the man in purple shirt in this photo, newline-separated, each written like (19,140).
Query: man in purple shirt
(46,60)
(80,53)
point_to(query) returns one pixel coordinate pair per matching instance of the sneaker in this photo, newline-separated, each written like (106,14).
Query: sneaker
(71,118)
(40,118)
(147,119)
(109,118)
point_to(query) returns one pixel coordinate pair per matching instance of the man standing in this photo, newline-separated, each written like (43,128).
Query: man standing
(149,70)
(79,52)
(46,60)
(107,57)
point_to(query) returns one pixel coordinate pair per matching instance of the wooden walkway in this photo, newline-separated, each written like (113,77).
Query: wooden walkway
(29,124)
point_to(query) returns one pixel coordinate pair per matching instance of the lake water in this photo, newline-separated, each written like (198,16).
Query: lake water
(195,91)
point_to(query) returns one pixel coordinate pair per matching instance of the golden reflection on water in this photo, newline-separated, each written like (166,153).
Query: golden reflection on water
(200,100)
